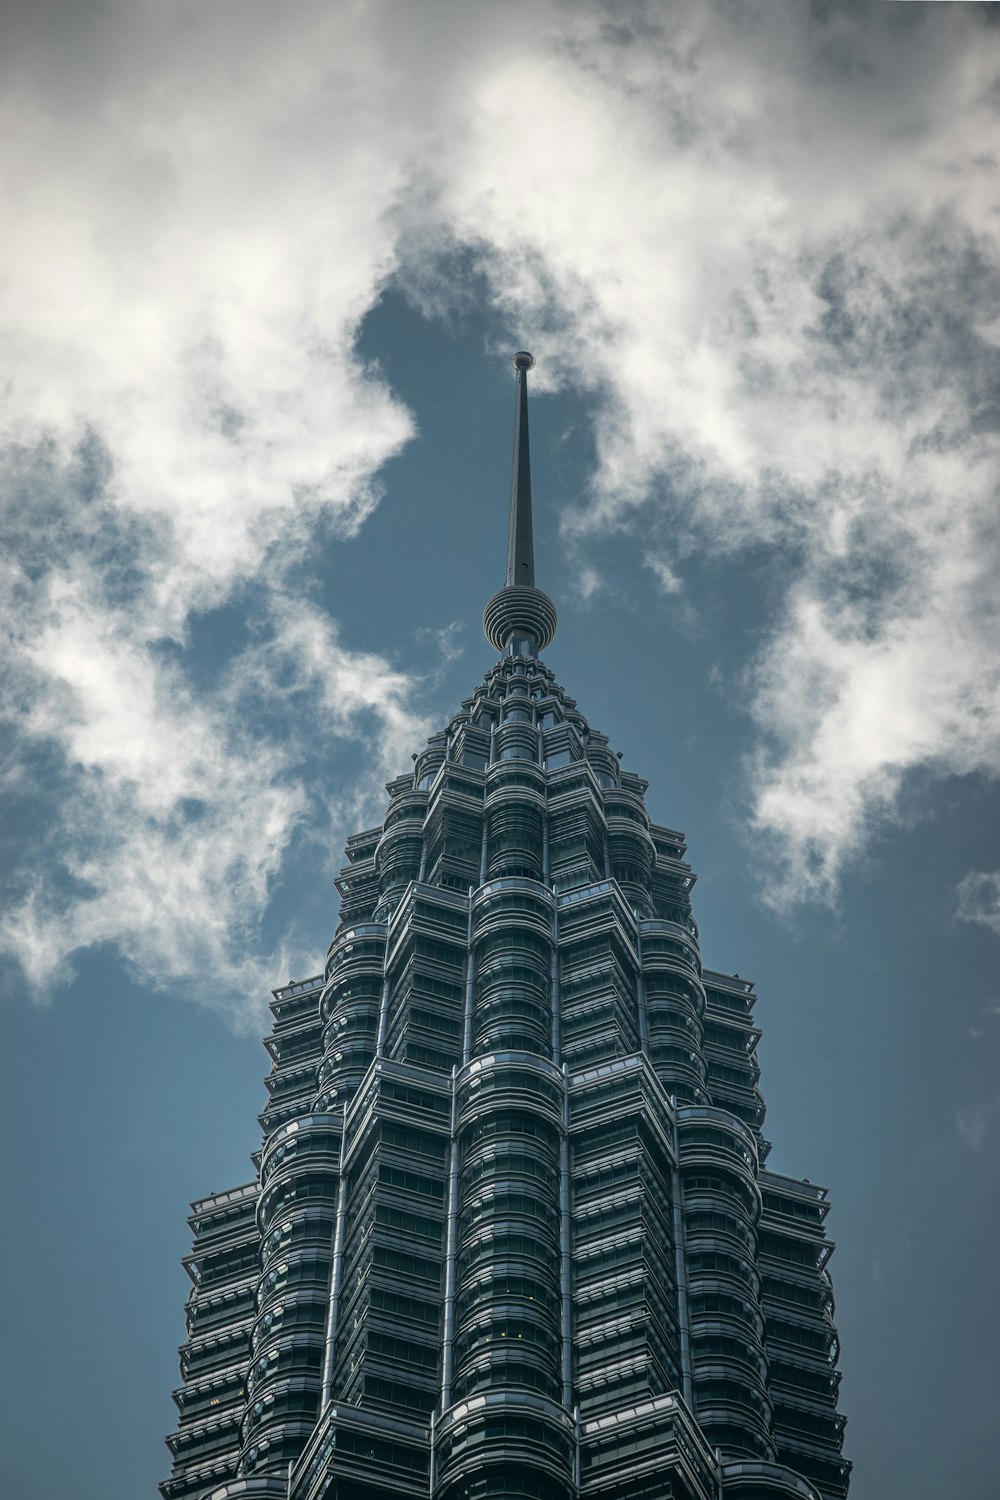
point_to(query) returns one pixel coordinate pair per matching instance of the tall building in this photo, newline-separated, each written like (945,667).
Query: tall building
(511,1233)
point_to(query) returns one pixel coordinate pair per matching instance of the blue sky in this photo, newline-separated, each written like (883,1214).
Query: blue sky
(262,272)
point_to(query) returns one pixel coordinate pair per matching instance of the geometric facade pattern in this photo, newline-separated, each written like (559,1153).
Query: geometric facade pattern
(512,1233)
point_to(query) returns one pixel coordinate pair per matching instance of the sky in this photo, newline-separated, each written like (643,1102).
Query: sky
(261,274)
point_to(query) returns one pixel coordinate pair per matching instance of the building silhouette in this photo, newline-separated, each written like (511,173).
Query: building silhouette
(512,1234)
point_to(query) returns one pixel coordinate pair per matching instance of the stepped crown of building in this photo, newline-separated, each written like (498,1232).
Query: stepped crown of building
(511,1233)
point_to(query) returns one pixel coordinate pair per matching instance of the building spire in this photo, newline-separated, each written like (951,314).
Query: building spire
(520,619)
(520,543)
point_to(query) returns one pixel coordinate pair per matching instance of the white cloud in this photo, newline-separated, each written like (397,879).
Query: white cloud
(195,206)
(168,284)
(979,901)
(766,237)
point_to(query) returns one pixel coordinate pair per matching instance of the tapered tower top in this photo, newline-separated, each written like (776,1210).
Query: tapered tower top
(520,619)
(520,542)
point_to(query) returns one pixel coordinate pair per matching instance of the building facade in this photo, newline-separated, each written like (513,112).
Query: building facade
(512,1233)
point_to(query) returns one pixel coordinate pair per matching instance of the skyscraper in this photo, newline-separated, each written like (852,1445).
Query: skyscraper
(512,1234)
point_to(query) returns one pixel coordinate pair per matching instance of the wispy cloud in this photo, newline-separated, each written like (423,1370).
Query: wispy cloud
(975,1125)
(979,901)
(448,642)
(986,1020)
(667,579)
(166,814)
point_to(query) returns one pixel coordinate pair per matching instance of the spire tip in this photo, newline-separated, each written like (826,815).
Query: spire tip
(520,619)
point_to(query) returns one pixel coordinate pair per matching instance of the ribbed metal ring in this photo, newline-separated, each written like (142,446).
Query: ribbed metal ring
(519,610)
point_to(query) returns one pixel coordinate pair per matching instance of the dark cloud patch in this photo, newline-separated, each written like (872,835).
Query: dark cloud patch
(914,321)
(59,517)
